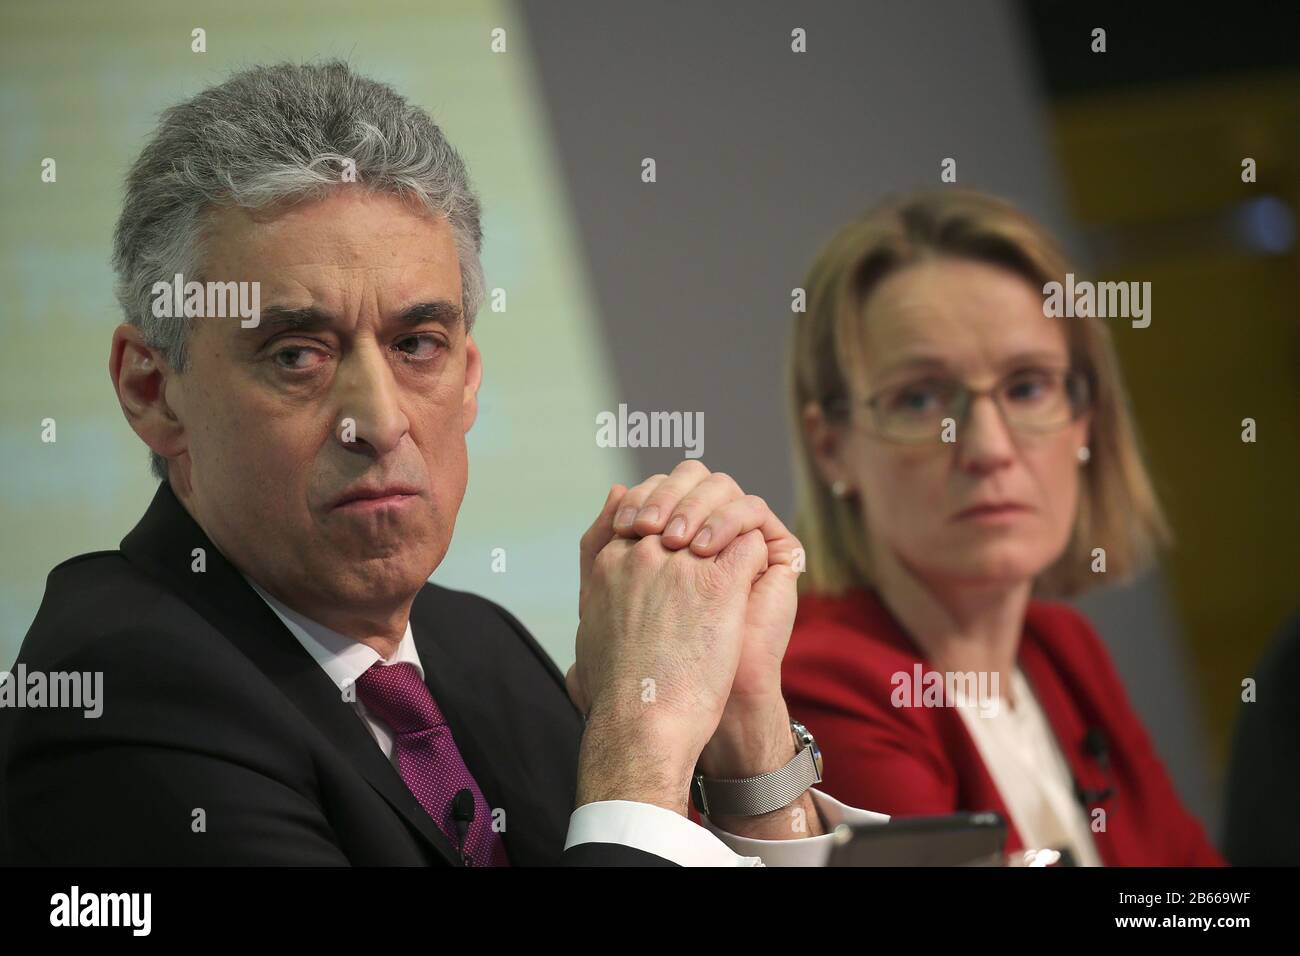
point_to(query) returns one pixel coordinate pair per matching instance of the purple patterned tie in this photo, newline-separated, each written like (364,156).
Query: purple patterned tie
(427,756)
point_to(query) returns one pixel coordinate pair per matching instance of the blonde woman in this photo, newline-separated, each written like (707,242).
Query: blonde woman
(963,459)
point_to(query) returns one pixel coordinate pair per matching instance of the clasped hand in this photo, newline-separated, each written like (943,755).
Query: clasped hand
(686,602)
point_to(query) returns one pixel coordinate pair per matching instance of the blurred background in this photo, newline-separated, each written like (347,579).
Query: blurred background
(675,295)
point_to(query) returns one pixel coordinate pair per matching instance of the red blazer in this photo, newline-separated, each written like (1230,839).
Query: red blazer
(916,761)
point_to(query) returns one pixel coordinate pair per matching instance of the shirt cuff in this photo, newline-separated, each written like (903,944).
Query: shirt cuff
(652,829)
(808,851)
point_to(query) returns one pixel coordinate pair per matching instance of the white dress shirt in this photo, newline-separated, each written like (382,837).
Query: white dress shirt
(641,825)
(1025,761)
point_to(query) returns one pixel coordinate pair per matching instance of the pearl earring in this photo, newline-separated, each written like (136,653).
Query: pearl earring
(1085,453)
(839,489)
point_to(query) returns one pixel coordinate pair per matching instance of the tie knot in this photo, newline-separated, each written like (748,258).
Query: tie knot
(396,695)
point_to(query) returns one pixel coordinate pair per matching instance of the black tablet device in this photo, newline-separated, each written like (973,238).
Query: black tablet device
(962,839)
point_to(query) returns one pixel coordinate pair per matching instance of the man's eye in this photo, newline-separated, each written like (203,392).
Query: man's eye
(296,355)
(420,346)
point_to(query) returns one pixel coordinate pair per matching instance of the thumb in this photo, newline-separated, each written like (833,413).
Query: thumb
(774,600)
(745,557)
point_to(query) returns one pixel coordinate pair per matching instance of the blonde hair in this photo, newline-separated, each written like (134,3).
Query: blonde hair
(1118,509)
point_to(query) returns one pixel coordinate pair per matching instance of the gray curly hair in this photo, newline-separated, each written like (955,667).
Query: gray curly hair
(267,134)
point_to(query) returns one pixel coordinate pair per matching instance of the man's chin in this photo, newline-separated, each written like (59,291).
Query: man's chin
(379,583)
(373,567)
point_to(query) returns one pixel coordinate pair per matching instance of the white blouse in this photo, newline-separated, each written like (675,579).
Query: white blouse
(1025,760)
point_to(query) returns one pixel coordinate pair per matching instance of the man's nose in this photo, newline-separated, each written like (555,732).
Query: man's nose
(985,441)
(370,416)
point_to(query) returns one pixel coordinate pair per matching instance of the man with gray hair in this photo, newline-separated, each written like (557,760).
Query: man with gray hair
(298,263)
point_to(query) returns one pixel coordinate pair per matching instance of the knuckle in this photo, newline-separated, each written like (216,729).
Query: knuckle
(725,480)
(641,491)
(682,570)
(646,552)
(605,562)
(658,497)
(633,500)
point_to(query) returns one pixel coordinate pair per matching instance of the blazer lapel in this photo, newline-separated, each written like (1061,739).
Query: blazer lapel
(163,544)
(978,788)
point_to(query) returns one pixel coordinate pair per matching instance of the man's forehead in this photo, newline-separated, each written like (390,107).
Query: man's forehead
(350,228)
(339,256)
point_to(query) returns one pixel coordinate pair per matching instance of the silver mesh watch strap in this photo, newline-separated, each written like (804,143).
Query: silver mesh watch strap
(753,796)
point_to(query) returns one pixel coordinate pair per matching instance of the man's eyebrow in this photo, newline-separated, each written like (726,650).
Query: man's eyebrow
(277,318)
(440,310)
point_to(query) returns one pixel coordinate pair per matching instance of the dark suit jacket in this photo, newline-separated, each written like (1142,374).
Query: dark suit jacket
(210,703)
(1261,827)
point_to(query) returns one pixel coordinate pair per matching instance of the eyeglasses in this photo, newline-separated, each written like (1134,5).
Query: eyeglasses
(1034,400)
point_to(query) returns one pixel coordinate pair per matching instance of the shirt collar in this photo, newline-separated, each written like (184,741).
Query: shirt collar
(341,657)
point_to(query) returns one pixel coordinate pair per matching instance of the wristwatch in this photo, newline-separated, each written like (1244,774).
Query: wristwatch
(753,796)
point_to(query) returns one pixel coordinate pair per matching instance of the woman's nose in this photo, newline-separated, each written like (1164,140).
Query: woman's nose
(985,440)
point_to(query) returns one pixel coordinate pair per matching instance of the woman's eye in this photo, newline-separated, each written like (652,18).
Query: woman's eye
(922,397)
(1029,387)
(419,346)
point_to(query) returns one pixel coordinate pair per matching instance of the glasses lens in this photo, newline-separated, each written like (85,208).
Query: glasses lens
(915,411)
(1044,399)
(1033,399)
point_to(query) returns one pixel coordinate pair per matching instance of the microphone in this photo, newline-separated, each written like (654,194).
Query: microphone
(462,811)
(1096,746)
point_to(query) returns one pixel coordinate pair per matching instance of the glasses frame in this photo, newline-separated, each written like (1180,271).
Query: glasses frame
(1078,384)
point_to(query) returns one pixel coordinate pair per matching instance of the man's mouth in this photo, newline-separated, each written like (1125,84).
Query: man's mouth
(375,497)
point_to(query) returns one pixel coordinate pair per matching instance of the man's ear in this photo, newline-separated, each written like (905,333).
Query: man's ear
(473,378)
(825,441)
(140,374)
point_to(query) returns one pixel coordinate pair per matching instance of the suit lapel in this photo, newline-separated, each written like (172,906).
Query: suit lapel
(468,687)
(163,543)
(462,706)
